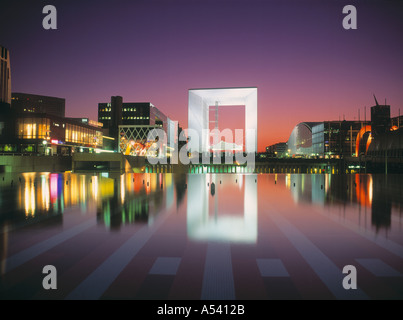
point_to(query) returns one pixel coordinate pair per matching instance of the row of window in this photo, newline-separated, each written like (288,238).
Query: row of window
(124,110)
(33,128)
(126,118)
(39,128)
(135,118)
(81,135)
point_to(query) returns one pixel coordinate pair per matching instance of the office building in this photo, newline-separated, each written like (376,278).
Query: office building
(40,133)
(117,113)
(131,122)
(335,139)
(31,103)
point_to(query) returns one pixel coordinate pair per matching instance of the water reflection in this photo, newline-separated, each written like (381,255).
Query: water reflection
(116,199)
(222,208)
(377,194)
(219,207)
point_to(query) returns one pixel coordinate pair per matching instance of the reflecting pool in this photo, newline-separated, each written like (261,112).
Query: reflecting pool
(201,236)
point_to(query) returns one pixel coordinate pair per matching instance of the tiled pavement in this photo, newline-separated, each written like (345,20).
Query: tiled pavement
(293,258)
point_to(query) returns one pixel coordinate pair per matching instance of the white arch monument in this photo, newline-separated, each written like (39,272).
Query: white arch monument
(200,100)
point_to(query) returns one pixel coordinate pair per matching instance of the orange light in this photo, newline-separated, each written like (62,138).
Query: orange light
(360,134)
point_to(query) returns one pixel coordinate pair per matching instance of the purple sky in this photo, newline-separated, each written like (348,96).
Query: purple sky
(305,65)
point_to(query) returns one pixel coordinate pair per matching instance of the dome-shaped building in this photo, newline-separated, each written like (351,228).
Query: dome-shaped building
(300,141)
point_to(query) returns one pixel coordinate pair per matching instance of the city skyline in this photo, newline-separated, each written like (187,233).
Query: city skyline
(305,65)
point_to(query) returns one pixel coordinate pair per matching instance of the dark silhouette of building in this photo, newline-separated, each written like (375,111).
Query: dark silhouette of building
(396,122)
(380,118)
(277,150)
(31,103)
(7,126)
(5,76)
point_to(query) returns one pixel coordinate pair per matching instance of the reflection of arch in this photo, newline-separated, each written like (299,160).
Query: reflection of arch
(222,226)
(360,135)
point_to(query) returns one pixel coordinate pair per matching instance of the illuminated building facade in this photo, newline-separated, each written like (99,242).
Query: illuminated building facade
(300,141)
(117,113)
(32,103)
(335,139)
(48,134)
(130,122)
(328,139)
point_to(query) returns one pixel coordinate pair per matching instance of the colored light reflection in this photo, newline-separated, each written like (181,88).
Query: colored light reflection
(29,194)
(53,188)
(45,192)
(227,212)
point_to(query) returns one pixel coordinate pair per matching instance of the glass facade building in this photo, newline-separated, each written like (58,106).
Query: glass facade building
(335,139)
(300,141)
(328,139)
(48,134)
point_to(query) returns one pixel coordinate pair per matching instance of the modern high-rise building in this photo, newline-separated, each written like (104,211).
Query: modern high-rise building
(5,76)
(129,123)
(118,113)
(31,103)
